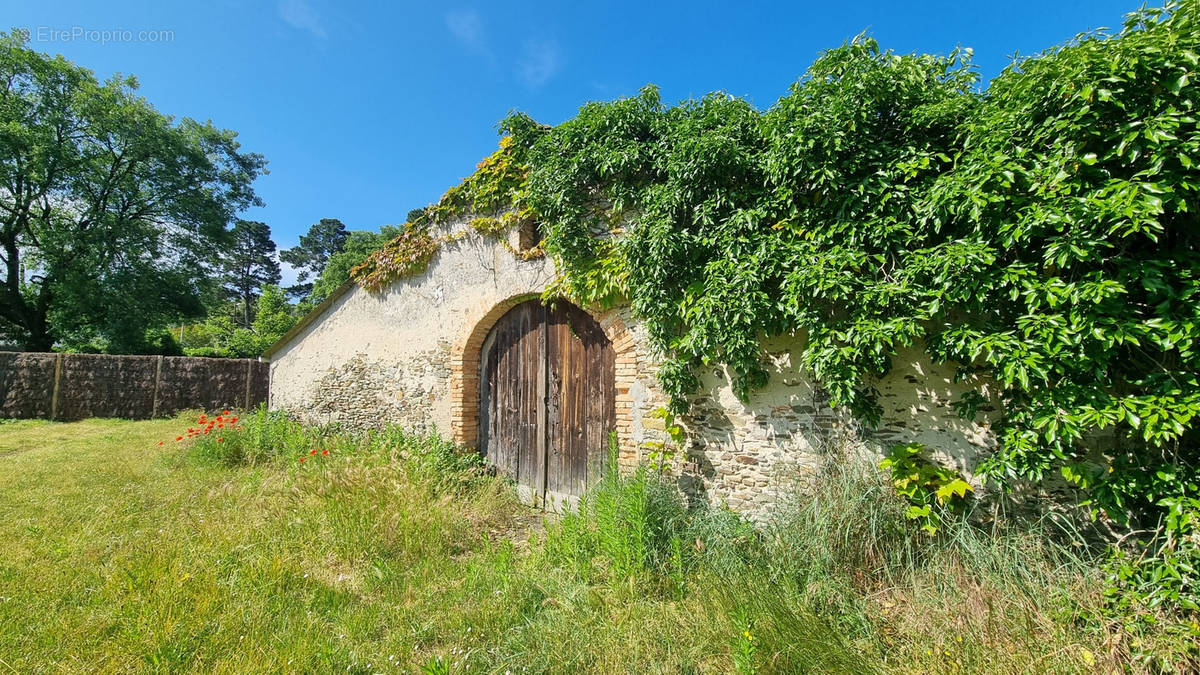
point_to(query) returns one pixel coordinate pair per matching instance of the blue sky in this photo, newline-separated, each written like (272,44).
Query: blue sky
(366,110)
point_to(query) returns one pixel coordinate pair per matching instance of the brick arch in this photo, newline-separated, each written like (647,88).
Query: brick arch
(464,371)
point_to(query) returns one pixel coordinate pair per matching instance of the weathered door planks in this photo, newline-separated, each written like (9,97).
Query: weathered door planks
(547,400)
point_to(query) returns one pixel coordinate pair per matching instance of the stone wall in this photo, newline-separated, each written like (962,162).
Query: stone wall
(365,392)
(27,384)
(78,386)
(409,356)
(745,454)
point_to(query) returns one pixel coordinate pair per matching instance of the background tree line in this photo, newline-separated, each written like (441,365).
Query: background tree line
(251,311)
(119,230)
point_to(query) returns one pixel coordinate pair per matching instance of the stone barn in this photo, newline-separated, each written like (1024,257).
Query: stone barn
(466,349)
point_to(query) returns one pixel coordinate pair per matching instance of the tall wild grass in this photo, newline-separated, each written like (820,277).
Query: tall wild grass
(839,581)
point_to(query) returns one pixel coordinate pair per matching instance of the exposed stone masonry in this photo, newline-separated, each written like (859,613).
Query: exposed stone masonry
(368,394)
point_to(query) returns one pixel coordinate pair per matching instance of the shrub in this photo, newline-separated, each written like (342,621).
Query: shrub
(272,436)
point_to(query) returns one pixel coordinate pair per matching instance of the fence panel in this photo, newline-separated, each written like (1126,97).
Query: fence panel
(27,384)
(76,386)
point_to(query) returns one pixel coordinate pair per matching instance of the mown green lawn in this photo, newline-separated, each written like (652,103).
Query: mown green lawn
(120,554)
(123,554)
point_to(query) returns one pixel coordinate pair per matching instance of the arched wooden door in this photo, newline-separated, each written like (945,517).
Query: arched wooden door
(546,400)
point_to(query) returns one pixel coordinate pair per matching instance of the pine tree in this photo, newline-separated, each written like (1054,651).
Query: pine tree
(249,265)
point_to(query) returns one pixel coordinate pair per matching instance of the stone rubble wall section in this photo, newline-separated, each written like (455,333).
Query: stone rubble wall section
(370,394)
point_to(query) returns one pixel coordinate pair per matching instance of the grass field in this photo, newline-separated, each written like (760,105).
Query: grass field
(393,554)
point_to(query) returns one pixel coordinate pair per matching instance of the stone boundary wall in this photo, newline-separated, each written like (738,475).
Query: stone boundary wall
(69,387)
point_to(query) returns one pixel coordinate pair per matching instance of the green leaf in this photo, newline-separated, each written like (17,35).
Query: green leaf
(915,512)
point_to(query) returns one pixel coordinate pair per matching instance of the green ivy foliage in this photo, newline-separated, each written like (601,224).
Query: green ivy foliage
(1040,232)
(1076,189)
(1076,184)
(495,186)
(742,223)
(406,255)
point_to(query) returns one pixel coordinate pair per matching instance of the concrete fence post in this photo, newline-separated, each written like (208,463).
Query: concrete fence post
(157,381)
(249,381)
(57,378)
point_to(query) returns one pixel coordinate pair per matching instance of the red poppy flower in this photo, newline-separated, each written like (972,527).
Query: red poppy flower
(313,452)
(324,452)
(302,459)
(220,440)
(179,438)
(224,412)
(160,442)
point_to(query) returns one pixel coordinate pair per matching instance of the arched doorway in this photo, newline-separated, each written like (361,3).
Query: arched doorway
(546,400)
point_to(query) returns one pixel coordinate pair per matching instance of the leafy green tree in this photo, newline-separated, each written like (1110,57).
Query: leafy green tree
(110,211)
(324,239)
(359,244)
(221,336)
(249,266)
(273,316)
(203,338)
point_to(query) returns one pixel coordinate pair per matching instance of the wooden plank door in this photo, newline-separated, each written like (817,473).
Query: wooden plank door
(511,397)
(547,400)
(580,410)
